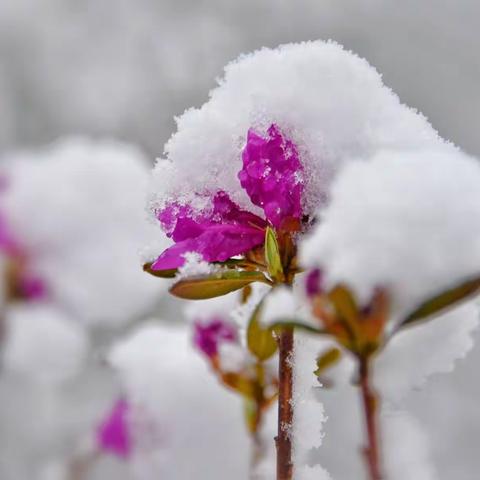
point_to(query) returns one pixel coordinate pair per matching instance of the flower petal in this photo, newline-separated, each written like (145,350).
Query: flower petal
(181,222)
(272,175)
(113,433)
(217,243)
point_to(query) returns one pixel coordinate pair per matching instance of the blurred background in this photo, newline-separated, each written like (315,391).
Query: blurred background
(124,69)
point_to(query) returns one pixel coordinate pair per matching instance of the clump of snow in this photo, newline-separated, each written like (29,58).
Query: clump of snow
(432,347)
(407,450)
(279,305)
(285,304)
(195,266)
(309,414)
(312,473)
(329,102)
(43,344)
(394,222)
(77,209)
(233,357)
(161,373)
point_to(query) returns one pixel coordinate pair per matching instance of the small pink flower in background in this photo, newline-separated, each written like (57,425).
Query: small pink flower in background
(27,285)
(208,335)
(271,176)
(113,433)
(313,283)
(32,287)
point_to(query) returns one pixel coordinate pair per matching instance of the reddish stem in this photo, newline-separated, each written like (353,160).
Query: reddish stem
(285,407)
(370,404)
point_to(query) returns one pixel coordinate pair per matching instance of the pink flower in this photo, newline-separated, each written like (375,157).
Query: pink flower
(208,335)
(113,434)
(271,176)
(313,283)
(27,285)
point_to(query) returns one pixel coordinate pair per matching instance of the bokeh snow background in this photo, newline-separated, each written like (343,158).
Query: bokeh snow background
(123,69)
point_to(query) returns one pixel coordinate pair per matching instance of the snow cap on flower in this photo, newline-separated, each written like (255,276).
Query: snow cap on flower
(406,363)
(160,372)
(268,142)
(113,435)
(394,222)
(76,211)
(42,344)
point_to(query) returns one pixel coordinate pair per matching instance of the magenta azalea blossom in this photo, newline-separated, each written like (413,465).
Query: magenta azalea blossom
(313,283)
(29,286)
(271,176)
(208,336)
(113,435)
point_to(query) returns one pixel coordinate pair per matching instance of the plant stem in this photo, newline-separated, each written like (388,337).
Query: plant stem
(370,407)
(285,408)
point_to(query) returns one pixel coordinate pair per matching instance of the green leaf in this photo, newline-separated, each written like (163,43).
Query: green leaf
(159,273)
(344,303)
(272,255)
(326,360)
(240,384)
(251,415)
(201,288)
(260,340)
(443,301)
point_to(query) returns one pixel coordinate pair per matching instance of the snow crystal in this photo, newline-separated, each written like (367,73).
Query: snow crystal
(394,221)
(194,266)
(329,102)
(43,344)
(77,208)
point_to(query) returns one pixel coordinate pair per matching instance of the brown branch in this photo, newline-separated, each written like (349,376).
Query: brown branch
(285,408)
(370,407)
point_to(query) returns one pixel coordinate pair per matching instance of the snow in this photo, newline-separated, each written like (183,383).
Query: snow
(285,304)
(421,351)
(309,413)
(77,208)
(194,266)
(328,101)
(407,452)
(163,375)
(43,344)
(394,222)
